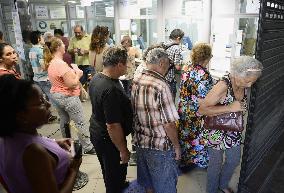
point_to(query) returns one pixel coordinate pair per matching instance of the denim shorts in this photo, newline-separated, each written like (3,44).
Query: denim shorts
(157,170)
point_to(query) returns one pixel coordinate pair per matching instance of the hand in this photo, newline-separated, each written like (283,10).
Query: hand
(75,164)
(177,153)
(82,52)
(178,67)
(124,156)
(236,107)
(79,73)
(64,143)
(75,50)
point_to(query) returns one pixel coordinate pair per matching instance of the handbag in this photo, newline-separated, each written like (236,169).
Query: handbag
(83,93)
(232,121)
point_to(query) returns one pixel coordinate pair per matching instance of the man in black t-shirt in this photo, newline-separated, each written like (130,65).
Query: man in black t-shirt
(111,119)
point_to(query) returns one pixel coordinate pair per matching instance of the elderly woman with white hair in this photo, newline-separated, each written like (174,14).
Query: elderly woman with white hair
(230,92)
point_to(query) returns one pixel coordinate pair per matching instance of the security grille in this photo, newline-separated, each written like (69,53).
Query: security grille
(266,112)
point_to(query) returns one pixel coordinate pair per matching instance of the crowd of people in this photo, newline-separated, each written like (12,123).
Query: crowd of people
(168,137)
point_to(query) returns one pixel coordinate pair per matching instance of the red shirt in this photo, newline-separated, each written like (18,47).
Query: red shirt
(12,71)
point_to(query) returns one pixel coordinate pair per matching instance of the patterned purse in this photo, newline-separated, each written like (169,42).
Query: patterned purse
(232,121)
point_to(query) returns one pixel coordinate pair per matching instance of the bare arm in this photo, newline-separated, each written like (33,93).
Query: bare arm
(41,176)
(207,106)
(116,134)
(172,133)
(72,79)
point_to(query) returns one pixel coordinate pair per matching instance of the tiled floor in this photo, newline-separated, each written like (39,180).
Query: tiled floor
(193,182)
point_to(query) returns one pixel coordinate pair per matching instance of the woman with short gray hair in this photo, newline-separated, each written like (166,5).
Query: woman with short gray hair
(230,92)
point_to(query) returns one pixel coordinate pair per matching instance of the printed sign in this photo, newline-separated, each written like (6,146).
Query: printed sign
(41,12)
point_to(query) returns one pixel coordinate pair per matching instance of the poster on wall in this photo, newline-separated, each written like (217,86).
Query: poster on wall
(18,35)
(7,12)
(109,11)
(80,12)
(57,12)
(41,12)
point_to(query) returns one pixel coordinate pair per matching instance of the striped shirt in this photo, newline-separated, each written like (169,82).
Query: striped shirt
(174,53)
(153,107)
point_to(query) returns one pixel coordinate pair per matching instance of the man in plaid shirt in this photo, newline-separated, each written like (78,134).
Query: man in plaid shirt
(174,52)
(155,132)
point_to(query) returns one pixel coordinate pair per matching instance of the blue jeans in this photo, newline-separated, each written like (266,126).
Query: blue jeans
(88,70)
(219,174)
(70,108)
(157,170)
(45,87)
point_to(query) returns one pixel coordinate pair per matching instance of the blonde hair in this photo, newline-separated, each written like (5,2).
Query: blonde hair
(201,52)
(49,49)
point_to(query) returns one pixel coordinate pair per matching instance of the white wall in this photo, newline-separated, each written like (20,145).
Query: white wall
(221,7)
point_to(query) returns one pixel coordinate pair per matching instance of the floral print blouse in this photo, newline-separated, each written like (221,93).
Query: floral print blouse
(195,83)
(218,139)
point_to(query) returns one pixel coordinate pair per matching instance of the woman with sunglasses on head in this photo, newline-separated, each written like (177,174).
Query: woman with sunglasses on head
(195,83)
(8,60)
(31,163)
(228,95)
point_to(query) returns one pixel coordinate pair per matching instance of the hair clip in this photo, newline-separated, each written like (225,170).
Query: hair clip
(253,70)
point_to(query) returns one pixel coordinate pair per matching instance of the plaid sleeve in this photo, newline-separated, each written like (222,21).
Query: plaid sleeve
(177,56)
(167,107)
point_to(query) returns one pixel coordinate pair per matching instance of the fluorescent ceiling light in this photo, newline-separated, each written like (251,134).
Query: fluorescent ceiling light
(71,1)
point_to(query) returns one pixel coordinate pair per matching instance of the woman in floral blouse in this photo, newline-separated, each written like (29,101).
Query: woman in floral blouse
(230,93)
(195,83)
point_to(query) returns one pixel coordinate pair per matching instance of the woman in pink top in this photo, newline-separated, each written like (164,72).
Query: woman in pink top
(30,163)
(65,89)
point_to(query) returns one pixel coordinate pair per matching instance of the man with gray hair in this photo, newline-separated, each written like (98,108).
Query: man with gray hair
(155,132)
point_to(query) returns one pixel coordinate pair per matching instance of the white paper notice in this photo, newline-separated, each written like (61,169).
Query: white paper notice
(57,13)
(41,12)
(109,11)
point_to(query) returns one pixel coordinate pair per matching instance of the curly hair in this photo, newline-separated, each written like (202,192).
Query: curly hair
(99,38)
(200,52)
(10,102)
(114,55)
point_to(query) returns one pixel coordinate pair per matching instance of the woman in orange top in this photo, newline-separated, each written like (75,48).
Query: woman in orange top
(65,90)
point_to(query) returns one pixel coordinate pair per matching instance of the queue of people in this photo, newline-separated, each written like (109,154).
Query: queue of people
(167,137)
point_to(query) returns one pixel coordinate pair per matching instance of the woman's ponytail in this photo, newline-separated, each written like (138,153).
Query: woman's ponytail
(47,56)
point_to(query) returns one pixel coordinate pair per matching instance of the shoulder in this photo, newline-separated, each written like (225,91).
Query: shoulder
(72,39)
(87,36)
(221,86)
(35,152)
